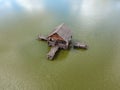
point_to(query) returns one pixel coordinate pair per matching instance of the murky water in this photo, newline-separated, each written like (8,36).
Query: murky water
(23,63)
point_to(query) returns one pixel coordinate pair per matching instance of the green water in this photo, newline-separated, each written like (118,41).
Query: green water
(23,63)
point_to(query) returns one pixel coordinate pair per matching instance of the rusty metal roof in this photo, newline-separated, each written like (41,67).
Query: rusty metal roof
(63,31)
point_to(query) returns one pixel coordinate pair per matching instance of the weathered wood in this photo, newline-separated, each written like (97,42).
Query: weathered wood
(51,43)
(41,37)
(61,33)
(80,45)
(60,38)
(52,52)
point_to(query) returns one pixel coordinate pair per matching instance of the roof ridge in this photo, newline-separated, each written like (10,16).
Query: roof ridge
(60,26)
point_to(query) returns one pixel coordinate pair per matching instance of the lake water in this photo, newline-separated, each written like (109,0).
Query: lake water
(23,63)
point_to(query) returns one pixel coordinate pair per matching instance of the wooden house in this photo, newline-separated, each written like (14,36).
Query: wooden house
(61,37)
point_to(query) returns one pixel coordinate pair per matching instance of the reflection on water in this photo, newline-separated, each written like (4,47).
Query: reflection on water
(87,7)
(22,4)
(31,5)
(22,58)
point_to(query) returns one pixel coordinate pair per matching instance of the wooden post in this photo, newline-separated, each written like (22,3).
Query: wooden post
(52,52)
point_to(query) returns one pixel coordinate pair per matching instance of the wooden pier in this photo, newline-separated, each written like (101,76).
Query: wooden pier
(52,52)
(60,38)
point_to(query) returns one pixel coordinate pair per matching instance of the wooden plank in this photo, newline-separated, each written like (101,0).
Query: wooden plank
(52,52)
(80,45)
(41,37)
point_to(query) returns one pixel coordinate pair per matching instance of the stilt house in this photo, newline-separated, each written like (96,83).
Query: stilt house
(61,37)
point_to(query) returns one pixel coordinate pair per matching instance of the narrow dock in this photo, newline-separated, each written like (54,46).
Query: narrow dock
(52,52)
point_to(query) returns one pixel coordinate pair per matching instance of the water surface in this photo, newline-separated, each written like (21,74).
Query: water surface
(23,63)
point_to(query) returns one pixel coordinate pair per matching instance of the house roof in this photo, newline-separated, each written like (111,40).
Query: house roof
(63,31)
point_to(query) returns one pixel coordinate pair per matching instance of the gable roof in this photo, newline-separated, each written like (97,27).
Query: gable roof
(63,31)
